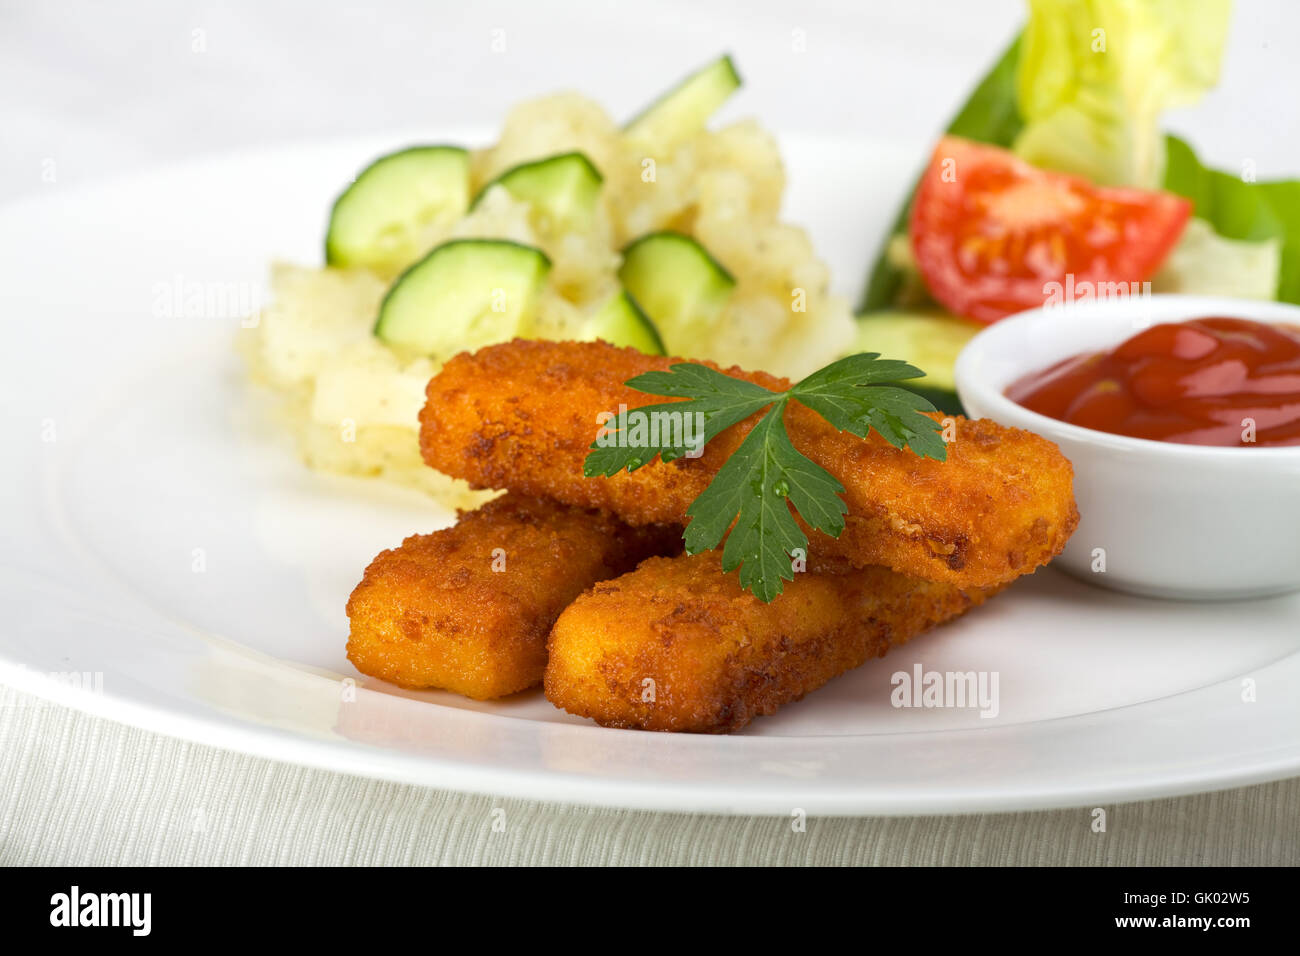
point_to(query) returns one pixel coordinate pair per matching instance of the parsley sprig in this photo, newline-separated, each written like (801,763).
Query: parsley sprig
(753,492)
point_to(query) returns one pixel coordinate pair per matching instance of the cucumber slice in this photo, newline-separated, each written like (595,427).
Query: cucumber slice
(620,321)
(562,189)
(929,341)
(463,295)
(681,287)
(384,219)
(686,108)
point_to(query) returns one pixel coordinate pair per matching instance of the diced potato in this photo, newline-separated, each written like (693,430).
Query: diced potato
(352,402)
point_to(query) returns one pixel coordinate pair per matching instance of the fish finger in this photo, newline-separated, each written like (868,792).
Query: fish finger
(522,415)
(677,645)
(468,608)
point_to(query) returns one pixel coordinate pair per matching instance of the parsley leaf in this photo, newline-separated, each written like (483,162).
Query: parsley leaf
(749,501)
(752,489)
(843,394)
(633,437)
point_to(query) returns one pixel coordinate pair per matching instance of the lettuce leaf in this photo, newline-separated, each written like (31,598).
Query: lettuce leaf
(1240,209)
(1094,76)
(1063,106)
(989,115)
(1205,263)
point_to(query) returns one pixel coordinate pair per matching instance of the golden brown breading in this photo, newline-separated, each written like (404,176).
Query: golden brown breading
(711,657)
(522,416)
(435,613)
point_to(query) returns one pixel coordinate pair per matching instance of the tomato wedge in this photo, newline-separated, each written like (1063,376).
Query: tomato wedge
(991,233)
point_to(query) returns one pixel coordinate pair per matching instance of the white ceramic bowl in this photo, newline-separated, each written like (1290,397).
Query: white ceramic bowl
(1163,519)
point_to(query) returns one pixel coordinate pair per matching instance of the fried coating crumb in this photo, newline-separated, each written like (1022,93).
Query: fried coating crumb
(677,645)
(435,613)
(522,415)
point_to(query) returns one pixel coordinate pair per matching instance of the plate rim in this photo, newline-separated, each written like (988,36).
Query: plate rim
(239,736)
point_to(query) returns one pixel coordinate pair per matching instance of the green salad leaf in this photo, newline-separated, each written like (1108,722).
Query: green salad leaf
(1080,91)
(1239,208)
(989,115)
(1205,263)
(1095,75)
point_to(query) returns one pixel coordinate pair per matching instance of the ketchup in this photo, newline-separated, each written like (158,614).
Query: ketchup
(1202,382)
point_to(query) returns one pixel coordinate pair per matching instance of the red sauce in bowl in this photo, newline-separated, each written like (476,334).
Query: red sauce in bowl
(1215,381)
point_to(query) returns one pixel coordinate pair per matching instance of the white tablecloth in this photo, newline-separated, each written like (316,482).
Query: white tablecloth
(78,790)
(88,89)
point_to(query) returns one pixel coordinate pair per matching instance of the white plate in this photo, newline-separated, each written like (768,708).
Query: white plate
(134,454)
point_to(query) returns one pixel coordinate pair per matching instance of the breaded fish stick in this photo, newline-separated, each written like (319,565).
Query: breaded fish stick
(522,416)
(677,645)
(467,609)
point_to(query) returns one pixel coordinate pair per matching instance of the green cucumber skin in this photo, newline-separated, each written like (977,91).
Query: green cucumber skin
(331,255)
(673,234)
(537,165)
(648,324)
(725,60)
(675,327)
(734,73)
(633,314)
(384,314)
(935,351)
